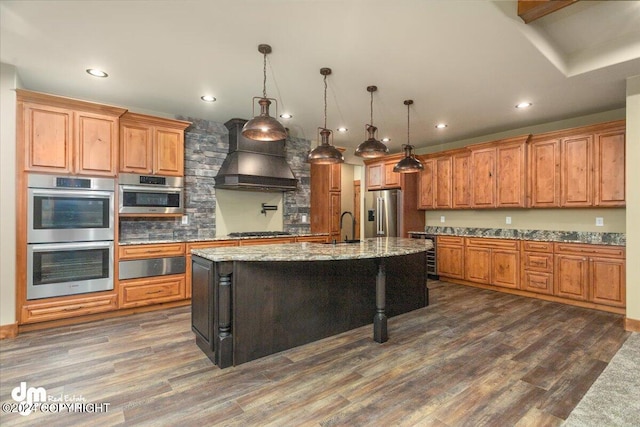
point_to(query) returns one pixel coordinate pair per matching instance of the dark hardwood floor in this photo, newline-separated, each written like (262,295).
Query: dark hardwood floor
(473,357)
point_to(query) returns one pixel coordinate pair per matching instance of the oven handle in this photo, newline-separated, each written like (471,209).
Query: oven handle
(72,193)
(168,190)
(45,247)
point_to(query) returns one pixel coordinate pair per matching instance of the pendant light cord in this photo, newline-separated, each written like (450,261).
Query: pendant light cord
(264,74)
(325,101)
(371,109)
(408,123)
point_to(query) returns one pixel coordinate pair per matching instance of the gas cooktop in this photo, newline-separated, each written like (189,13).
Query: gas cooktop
(258,233)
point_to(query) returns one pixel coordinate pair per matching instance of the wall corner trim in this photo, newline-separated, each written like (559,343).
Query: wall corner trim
(632,325)
(9,331)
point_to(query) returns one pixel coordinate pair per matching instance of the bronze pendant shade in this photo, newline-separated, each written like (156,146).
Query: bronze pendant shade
(409,164)
(371,147)
(325,153)
(264,127)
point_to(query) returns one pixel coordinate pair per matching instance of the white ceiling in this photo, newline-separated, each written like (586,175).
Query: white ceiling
(465,63)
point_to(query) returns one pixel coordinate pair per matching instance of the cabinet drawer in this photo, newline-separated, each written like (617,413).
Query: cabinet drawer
(538,261)
(272,241)
(539,282)
(312,239)
(492,243)
(150,251)
(147,291)
(450,240)
(211,244)
(590,250)
(537,246)
(42,312)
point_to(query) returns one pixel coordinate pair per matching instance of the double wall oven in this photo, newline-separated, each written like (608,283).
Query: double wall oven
(70,235)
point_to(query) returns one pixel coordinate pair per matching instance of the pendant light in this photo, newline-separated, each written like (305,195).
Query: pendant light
(264,127)
(371,148)
(409,164)
(325,153)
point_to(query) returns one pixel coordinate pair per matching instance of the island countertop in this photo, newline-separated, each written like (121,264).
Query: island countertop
(381,247)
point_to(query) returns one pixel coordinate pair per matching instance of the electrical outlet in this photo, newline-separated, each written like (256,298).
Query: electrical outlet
(442,218)
(185,220)
(507,220)
(599,221)
(303,218)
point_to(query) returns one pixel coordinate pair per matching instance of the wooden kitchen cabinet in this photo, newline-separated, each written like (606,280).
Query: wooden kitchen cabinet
(593,273)
(66,307)
(426,184)
(201,245)
(435,183)
(375,176)
(544,173)
(380,174)
(483,167)
(492,261)
(461,180)
(67,136)
(609,168)
(150,251)
(326,193)
(537,267)
(451,261)
(151,145)
(576,175)
(391,178)
(443,193)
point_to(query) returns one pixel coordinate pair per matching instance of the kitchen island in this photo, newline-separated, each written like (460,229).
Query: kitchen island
(249,302)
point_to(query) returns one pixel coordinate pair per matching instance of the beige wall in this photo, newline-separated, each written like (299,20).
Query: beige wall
(532,219)
(241,211)
(8,82)
(633,197)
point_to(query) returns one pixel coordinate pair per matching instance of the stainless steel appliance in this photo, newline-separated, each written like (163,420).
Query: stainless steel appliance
(57,269)
(385,214)
(432,255)
(151,267)
(150,194)
(69,209)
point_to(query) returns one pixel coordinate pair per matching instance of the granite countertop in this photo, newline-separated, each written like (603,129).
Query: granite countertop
(368,248)
(589,237)
(211,239)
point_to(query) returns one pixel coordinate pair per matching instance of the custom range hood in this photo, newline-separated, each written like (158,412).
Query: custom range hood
(254,165)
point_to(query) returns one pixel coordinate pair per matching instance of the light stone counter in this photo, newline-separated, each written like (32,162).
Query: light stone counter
(382,247)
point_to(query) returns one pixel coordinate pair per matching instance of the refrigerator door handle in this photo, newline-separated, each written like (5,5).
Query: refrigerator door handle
(380,214)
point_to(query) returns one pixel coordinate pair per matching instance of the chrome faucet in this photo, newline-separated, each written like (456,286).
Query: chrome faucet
(353,225)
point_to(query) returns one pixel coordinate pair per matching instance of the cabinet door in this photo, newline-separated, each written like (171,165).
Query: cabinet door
(136,149)
(544,174)
(335,179)
(443,183)
(97,144)
(48,138)
(451,261)
(478,265)
(609,154)
(168,152)
(334,212)
(505,268)
(607,284)
(483,178)
(460,181)
(510,176)
(425,185)
(571,276)
(391,178)
(576,174)
(375,176)
(537,281)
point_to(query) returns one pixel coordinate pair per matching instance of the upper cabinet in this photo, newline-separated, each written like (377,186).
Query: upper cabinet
(498,174)
(67,136)
(151,145)
(581,167)
(380,174)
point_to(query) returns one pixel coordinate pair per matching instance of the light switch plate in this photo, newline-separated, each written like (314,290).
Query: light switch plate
(507,220)
(599,221)
(185,220)
(442,218)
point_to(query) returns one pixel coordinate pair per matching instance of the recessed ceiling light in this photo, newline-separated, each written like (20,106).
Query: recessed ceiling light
(342,129)
(286,115)
(208,98)
(97,73)
(441,125)
(386,139)
(524,105)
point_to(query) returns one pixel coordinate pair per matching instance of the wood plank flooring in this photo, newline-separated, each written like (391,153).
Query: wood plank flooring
(473,357)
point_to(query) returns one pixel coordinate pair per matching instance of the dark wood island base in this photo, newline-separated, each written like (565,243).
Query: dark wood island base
(244,310)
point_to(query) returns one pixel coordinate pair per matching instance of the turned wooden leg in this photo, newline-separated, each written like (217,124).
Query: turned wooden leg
(380,319)
(224,348)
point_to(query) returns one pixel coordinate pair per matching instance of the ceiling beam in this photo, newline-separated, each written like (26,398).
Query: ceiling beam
(530,10)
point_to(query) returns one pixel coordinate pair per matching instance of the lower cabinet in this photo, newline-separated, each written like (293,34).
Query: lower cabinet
(146,291)
(450,256)
(492,262)
(43,311)
(537,267)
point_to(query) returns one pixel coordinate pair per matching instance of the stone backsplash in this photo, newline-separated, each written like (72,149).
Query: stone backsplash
(617,239)
(206,146)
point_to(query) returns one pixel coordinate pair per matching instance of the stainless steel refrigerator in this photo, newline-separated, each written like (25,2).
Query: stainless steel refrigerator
(383,217)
